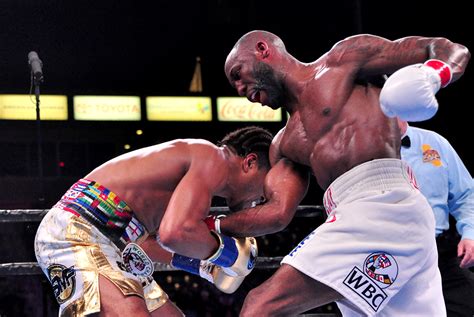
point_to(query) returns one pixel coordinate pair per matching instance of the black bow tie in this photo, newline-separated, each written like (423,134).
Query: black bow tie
(406,141)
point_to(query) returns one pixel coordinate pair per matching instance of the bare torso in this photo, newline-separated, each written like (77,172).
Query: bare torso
(146,179)
(335,119)
(336,125)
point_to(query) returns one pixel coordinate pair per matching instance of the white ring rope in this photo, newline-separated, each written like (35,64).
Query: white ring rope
(32,268)
(35,215)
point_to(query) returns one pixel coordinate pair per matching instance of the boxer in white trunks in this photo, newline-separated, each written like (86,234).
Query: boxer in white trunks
(88,243)
(376,253)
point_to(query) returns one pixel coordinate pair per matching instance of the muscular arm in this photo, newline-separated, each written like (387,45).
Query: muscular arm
(367,55)
(182,228)
(155,251)
(285,186)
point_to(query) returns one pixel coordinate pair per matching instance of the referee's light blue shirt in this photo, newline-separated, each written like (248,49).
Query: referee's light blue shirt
(443,179)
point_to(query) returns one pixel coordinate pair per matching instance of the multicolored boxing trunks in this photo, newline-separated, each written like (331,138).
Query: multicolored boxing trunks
(82,237)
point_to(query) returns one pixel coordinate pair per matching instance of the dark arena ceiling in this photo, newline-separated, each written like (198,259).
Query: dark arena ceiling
(150,47)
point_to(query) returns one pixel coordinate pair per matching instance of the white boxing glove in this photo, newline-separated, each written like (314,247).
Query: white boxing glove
(409,93)
(217,276)
(236,256)
(209,271)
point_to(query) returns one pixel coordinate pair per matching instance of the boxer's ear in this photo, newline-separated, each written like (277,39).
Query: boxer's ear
(249,162)
(263,51)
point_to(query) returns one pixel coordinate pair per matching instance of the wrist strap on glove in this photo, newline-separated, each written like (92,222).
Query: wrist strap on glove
(444,70)
(185,263)
(214,222)
(194,266)
(208,271)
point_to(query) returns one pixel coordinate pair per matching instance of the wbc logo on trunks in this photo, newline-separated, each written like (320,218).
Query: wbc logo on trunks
(63,280)
(379,271)
(382,268)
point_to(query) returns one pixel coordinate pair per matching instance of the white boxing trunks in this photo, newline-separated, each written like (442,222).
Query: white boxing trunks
(377,247)
(73,249)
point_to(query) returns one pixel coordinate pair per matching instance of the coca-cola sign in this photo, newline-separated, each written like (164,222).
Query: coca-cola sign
(240,109)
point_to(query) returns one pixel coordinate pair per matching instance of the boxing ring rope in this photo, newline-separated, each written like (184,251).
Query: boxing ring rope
(35,215)
(32,268)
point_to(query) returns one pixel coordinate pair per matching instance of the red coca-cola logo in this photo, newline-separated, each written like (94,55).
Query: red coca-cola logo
(250,111)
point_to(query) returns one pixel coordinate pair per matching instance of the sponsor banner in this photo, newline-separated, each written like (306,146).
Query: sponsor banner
(241,109)
(107,108)
(23,107)
(179,108)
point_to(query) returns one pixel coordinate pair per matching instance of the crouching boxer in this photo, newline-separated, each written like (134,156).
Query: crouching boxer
(88,244)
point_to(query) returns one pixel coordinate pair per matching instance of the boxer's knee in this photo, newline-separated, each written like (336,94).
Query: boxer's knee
(258,303)
(114,303)
(251,305)
(169,309)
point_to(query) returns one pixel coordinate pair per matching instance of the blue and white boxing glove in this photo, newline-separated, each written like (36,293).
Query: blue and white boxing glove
(409,93)
(236,256)
(209,271)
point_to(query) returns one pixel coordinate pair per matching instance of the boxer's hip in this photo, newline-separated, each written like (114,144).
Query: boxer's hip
(105,210)
(375,175)
(80,238)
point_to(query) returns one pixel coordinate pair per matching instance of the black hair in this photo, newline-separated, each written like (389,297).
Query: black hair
(251,139)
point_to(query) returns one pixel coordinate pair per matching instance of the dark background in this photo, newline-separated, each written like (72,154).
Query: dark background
(142,48)
(150,47)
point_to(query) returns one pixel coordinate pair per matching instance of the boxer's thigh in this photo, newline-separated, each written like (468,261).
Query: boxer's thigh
(287,292)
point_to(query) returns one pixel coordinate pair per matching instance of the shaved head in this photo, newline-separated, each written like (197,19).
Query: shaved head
(245,46)
(255,66)
(249,40)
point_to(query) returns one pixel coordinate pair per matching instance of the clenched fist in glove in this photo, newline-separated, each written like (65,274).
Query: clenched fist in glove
(409,93)
(236,256)
(209,271)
